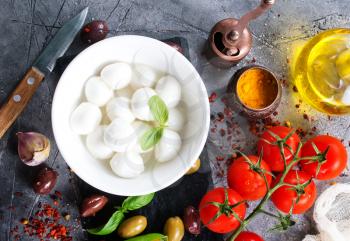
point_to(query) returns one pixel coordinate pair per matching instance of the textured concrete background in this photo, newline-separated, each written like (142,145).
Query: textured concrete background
(26,26)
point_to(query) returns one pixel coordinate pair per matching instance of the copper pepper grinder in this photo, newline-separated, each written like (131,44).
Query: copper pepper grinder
(230,40)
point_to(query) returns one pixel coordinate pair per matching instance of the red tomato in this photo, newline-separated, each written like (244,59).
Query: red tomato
(284,197)
(271,153)
(336,157)
(225,222)
(248,236)
(247,182)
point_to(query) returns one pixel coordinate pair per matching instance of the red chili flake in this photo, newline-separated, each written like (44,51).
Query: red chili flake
(212,97)
(213,130)
(228,112)
(45,224)
(220,158)
(301,132)
(220,173)
(222,132)
(295,89)
(11,208)
(18,194)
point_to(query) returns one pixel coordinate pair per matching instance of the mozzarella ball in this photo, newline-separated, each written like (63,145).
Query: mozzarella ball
(169,89)
(85,118)
(119,107)
(96,146)
(139,103)
(144,76)
(168,146)
(117,75)
(126,92)
(140,129)
(127,165)
(176,120)
(97,92)
(119,135)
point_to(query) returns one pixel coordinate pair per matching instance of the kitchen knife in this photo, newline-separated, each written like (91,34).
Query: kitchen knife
(42,66)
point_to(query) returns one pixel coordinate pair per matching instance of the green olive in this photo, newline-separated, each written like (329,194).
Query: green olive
(195,167)
(132,226)
(174,229)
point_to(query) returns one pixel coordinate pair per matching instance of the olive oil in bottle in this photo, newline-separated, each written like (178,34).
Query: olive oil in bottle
(322,72)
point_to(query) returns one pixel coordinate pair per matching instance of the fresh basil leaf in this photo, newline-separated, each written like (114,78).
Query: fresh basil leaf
(150,237)
(151,137)
(159,109)
(110,226)
(133,203)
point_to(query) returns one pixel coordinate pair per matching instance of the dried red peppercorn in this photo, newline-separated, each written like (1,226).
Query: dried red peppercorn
(212,97)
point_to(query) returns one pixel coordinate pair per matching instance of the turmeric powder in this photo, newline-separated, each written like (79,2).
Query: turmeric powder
(257,88)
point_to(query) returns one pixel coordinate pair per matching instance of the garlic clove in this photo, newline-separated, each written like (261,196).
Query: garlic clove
(33,148)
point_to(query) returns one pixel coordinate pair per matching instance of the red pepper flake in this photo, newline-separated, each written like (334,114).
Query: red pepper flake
(228,112)
(300,132)
(58,194)
(222,132)
(220,158)
(45,224)
(212,97)
(18,194)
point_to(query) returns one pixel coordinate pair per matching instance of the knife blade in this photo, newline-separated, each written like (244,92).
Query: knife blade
(42,66)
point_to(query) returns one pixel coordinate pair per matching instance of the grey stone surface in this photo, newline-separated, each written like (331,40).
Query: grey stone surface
(26,26)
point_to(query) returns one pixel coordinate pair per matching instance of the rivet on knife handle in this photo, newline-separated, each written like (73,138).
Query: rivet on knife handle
(19,99)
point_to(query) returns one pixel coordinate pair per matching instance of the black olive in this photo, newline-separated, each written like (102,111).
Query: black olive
(45,181)
(94,31)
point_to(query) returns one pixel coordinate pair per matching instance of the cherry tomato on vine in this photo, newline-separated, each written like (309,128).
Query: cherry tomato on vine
(332,157)
(226,200)
(286,196)
(246,177)
(248,236)
(271,153)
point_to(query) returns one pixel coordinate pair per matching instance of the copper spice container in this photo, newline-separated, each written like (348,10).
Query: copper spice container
(230,40)
(259,96)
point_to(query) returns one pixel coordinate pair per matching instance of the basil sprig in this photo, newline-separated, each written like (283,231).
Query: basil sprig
(129,204)
(160,114)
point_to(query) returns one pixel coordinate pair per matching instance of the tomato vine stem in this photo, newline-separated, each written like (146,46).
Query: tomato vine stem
(259,209)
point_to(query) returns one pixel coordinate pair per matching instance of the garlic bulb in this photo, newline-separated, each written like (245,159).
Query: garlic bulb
(33,148)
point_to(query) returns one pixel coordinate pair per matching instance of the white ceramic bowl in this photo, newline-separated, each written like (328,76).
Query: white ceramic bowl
(69,93)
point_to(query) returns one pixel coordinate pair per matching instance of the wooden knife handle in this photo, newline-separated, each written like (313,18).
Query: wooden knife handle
(19,99)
